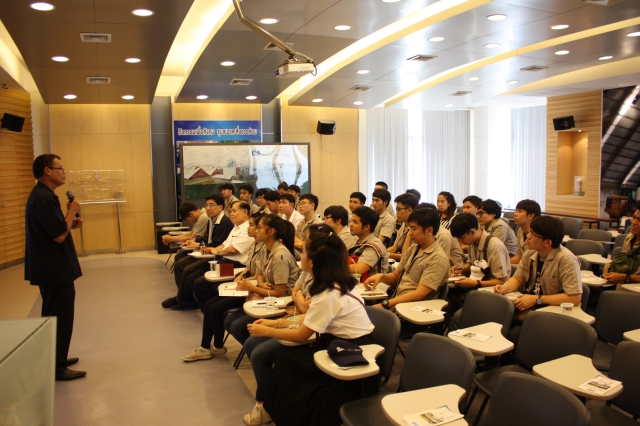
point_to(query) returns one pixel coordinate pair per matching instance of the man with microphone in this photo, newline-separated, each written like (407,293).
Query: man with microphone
(51,261)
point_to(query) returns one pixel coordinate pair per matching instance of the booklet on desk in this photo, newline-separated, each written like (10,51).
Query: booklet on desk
(599,385)
(230,290)
(470,335)
(433,417)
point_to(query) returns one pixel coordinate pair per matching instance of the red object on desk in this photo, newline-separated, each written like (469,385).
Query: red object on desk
(226,269)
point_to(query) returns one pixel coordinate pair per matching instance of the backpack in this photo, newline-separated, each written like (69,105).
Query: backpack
(356,251)
(626,263)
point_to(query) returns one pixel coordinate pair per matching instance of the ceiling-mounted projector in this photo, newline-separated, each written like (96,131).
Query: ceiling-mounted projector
(294,69)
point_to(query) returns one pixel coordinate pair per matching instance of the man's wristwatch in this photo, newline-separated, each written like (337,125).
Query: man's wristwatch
(539,300)
(628,279)
(385,303)
(479,285)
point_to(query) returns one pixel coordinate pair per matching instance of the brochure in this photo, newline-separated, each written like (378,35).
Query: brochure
(230,290)
(470,335)
(428,311)
(435,416)
(599,385)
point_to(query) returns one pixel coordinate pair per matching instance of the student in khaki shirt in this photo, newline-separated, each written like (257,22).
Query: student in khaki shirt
(489,216)
(405,205)
(372,260)
(449,245)
(246,195)
(526,211)
(337,218)
(227,190)
(631,243)
(307,205)
(470,204)
(386,226)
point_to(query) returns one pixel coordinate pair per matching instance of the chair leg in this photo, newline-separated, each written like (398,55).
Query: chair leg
(400,349)
(170,254)
(482,407)
(473,395)
(226,336)
(236,364)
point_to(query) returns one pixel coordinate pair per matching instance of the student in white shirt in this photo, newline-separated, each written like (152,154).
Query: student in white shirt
(286,210)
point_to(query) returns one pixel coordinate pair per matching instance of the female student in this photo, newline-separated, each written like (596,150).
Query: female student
(276,275)
(300,392)
(446,207)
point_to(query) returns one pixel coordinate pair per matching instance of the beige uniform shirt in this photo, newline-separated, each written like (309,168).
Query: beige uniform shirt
(278,266)
(501,229)
(521,240)
(386,226)
(401,237)
(560,272)
(254,208)
(429,268)
(301,230)
(451,247)
(497,256)
(370,256)
(346,237)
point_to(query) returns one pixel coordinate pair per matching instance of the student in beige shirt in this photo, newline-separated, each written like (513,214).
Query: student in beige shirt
(526,211)
(356,199)
(371,259)
(405,205)
(386,226)
(337,218)
(246,195)
(489,217)
(227,190)
(449,245)
(307,207)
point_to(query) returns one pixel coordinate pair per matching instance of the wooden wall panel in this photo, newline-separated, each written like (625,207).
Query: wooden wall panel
(16,178)
(586,109)
(109,137)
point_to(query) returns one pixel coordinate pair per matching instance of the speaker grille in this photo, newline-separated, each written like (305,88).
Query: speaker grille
(98,80)
(95,37)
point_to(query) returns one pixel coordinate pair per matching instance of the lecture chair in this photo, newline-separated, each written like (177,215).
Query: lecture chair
(572,226)
(431,361)
(597,235)
(616,251)
(579,247)
(619,241)
(385,334)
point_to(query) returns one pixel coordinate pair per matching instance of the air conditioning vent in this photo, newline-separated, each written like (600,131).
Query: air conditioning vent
(360,88)
(271,46)
(459,93)
(421,58)
(98,80)
(241,81)
(95,37)
(534,68)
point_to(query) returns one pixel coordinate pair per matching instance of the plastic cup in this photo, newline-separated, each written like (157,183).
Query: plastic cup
(213,264)
(271,303)
(356,276)
(293,322)
(567,308)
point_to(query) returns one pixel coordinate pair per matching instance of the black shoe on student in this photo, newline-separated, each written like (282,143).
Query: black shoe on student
(71,361)
(67,374)
(184,306)
(172,301)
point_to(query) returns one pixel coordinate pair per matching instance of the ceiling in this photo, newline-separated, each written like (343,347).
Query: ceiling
(382,36)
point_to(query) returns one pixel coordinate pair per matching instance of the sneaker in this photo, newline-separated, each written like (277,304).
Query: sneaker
(197,354)
(169,302)
(257,417)
(216,351)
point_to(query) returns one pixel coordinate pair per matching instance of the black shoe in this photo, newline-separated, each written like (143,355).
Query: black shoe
(184,306)
(67,374)
(71,361)
(172,301)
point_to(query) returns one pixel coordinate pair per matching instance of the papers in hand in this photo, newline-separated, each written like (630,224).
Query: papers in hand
(599,385)
(427,311)
(470,335)
(435,416)
(230,290)
(513,295)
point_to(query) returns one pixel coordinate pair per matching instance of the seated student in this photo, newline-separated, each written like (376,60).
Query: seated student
(192,214)
(405,204)
(447,207)
(550,272)
(414,192)
(287,212)
(356,199)
(218,228)
(471,204)
(489,216)
(295,191)
(482,247)
(424,266)
(272,201)
(300,392)
(246,193)
(307,205)
(448,243)
(337,218)
(371,254)
(262,203)
(526,211)
(383,185)
(386,224)
(276,275)
(227,190)
(282,188)
(612,272)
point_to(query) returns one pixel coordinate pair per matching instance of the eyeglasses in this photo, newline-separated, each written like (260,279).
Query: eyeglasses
(480,213)
(534,235)
(328,217)
(401,208)
(57,168)
(210,205)
(304,204)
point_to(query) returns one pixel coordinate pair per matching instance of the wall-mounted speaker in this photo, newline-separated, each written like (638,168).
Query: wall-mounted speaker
(564,123)
(326,127)
(12,122)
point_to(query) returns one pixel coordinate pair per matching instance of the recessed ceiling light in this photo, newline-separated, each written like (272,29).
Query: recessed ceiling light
(512,82)
(435,39)
(60,58)
(562,52)
(132,60)
(70,96)
(473,78)
(342,27)
(127,97)
(604,58)
(491,45)
(201,97)
(448,105)
(227,63)
(496,17)
(559,27)
(142,12)
(634,34)
(268,21)
(251,97)
(317,100)
(42,6)
(358,103)
(362,72)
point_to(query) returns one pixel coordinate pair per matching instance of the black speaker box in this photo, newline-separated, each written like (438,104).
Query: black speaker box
(326,127)
(564,123)
(12,122)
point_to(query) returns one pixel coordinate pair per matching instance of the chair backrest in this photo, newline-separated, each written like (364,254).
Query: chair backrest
(534,401)
(586,292)
(484,306)
(584,264)
(508,214)
(616,251)
(459,209)
(579,247)
(546,336)
(595,235)
(572,226)
(619,240)
(513,225)
(385,334)
(626,368)
(617,312)
(444,291)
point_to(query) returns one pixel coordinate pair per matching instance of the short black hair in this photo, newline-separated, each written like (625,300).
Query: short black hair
(383,194)
(425,218)
(272,196)
(294,188)
(261,192)
(473,199)
(384,184)
(228,186)
(462,224)
(247,188)
(217,198)
(529,206)
(549,228)
(186,208)
(42,161)
(337,213)
(242,206)
(283,185)
(312,199)
(414,192)
(287,197)
(407,200)
(427,206)
(492,207)
(360,196)
(368,217)
(452,203)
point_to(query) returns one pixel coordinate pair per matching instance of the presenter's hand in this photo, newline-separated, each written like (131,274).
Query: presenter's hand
(73,207)
(77,223)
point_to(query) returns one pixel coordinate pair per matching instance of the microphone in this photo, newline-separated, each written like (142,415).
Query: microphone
(71,197)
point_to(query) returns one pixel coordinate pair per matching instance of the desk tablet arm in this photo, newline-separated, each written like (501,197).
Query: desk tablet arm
(370,352)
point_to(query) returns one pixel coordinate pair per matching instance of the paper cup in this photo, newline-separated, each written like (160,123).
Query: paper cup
(567,308)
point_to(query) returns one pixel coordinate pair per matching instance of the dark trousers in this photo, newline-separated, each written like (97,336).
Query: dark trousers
(58,301)
(213,325)
(236,324)
(185,286)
